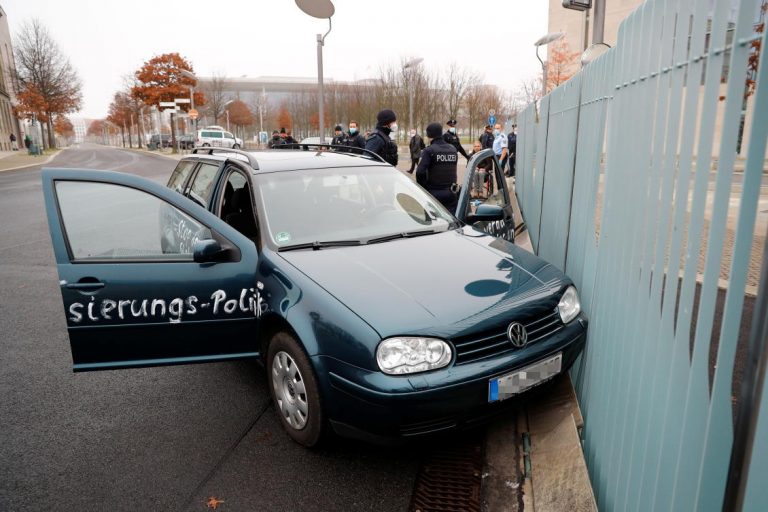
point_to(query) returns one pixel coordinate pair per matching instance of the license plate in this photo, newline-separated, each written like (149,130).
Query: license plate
(516,382)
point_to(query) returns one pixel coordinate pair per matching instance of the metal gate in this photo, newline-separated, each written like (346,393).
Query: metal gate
(641,178)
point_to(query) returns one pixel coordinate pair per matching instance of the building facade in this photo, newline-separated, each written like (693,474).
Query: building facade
(8,122)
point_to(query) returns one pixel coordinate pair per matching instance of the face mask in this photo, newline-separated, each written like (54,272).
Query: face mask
(452,130)
(393,127)
(496,132)
(352,130)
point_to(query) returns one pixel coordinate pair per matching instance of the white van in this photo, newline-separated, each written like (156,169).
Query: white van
(213,137)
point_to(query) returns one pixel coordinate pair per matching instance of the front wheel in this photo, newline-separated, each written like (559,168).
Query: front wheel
(235,146)
(294,390)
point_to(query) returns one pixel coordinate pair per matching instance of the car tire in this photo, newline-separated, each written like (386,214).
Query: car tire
(235,146)
(295,393)
(206,145)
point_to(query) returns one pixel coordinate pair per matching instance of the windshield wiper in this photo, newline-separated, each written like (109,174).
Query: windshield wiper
(407,234)
(316,246)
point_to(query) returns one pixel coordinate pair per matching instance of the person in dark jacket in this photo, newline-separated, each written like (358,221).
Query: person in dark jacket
(451,138)
(512,150)
(354,138)
(338,136)
(486,139)
(289,137)
(275,140)
(416,145)
(379,140)
(437,168)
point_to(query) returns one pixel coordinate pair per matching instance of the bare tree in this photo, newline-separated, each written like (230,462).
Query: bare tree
(46,83)
(214,94)
(459,79)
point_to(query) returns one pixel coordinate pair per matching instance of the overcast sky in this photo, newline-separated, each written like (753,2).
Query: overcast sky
(106,40)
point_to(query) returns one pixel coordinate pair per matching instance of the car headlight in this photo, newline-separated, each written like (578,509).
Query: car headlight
(400,356)
(569,306)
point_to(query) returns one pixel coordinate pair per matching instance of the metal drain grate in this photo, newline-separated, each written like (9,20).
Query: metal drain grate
(449,478)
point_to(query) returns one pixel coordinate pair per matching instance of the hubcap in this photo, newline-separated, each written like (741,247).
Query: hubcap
(290,393)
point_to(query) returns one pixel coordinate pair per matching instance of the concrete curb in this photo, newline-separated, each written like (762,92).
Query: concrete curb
(50,157)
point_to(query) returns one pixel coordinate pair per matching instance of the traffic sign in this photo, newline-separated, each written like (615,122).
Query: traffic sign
(167,104)
(193,114)
(491,113)
(492,120)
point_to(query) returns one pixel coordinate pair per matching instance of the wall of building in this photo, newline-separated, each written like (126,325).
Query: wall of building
(573,23)
(8,123)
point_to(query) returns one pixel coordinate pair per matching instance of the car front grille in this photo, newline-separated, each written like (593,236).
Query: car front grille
(493,343)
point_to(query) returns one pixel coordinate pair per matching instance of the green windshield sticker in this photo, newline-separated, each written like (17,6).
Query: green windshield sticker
(283,237)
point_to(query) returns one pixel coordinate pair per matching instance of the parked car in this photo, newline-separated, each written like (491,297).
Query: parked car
(186,141)
(376,312)
(217,139)
(163,140)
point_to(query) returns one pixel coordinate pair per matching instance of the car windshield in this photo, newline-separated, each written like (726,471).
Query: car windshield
(322,207)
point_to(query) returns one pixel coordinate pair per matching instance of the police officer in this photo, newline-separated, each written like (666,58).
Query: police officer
(338,136)
(354,138)
(379,141)
(275,140)
(437,169)
(451,138)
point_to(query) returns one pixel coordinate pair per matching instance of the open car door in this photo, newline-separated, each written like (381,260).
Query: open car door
(484,200)
(147,276)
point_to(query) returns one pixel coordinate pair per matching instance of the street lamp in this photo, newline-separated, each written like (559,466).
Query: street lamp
(544,41)
(226,111)
(319,9)
(191,92)
(410,65)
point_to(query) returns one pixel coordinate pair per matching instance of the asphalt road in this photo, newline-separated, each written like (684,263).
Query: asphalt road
(157,438)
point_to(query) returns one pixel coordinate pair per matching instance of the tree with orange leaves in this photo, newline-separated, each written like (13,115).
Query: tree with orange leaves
(46,83)
(284,117)
(561,64)
(120,114)
(239,114)
(63,127)
(161,79)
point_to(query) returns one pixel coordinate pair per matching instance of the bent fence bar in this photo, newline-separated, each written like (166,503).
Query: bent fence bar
(640,177)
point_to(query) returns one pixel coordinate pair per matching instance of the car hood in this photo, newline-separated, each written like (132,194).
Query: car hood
(446,284)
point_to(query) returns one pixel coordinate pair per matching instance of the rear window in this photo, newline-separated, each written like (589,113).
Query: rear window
(213,135)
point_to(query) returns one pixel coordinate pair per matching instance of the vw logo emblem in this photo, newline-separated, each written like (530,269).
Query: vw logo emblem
(517,334)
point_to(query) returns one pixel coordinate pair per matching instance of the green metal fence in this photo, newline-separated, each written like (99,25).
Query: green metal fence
(641,178)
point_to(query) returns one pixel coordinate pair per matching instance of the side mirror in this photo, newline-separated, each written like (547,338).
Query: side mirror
(486,213)
(205,251)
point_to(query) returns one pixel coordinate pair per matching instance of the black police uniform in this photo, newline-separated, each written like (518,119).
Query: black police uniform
(380,143)
(453,140)
(338,140)
(437,171)
(275,141)
(355,141)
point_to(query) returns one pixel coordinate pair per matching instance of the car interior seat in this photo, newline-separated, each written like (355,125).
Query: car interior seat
(241,213)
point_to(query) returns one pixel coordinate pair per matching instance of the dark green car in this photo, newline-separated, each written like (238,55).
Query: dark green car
(375,311)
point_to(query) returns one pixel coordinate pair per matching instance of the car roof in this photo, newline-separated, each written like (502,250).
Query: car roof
(275,160)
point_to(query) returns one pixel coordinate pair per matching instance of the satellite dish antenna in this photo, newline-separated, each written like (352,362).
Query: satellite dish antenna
(322,9)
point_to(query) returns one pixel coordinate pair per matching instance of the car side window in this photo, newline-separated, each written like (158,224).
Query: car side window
(202,183)
(110,222)
(236,205)
(485,185)
(228,135)
(179,175)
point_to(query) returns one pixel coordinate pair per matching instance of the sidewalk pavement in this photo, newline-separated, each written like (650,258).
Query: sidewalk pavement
(11,160)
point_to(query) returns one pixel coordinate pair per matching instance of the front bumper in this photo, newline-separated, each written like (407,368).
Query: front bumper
(365,404)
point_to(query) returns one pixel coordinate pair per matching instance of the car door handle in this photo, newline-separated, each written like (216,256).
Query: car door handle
(86,284)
